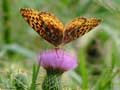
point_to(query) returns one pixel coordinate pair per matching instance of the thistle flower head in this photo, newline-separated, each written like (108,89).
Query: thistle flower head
(57,59)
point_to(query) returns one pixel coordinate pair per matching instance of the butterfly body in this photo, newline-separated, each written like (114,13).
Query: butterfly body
(51,29)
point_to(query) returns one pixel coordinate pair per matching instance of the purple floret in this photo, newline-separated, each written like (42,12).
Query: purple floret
(57,59)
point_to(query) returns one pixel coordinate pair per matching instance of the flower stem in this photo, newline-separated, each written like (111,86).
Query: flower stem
(52,80)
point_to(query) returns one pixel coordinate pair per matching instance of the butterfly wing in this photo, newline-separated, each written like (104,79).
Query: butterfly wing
(53,27)
(79,27)
(45,24)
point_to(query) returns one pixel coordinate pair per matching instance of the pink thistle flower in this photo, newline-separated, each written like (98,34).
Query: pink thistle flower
(57,59)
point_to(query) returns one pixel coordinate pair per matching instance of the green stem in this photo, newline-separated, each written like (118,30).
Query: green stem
(83,69)
(6,21)
(34,77)
(6,24)
(52,80)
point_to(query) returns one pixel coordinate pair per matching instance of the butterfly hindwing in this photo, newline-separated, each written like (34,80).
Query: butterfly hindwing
(71,28)
(79,27)
(53,26)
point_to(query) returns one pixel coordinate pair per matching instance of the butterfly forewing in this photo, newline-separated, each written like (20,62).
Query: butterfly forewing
(46,24)
(79,27)
(32,18)
(88,26)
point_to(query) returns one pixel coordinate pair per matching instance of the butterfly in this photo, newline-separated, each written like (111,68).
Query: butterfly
(49,27)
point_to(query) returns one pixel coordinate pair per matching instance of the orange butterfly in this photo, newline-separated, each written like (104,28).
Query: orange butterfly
(51,29)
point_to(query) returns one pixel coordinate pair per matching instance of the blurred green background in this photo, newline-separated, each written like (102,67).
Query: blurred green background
(98,51)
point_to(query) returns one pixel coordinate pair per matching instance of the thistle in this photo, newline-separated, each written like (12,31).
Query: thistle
(20,82)
(56,62)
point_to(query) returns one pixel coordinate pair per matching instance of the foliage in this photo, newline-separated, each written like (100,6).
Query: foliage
(96,71)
